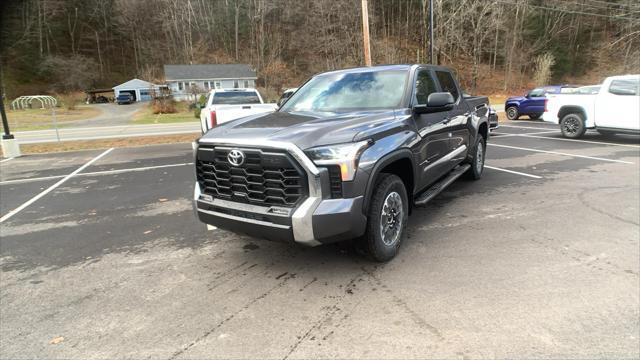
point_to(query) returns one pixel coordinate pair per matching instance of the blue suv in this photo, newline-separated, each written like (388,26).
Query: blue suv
(532,103)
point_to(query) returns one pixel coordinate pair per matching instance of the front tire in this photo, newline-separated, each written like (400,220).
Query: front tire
(512,113)
(572,126)
(477,162)
(387,218)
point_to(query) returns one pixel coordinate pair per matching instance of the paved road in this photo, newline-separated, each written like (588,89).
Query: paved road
(105,132)
(111,115)
(538,262)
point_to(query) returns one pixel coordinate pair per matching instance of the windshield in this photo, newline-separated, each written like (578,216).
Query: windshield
(235,98)
(350,91)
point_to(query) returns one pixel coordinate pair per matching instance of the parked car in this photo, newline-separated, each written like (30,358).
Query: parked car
(124,99)
(229,104)
(614,109)
(346,157)
(493,119)
(285,95)
(532,103)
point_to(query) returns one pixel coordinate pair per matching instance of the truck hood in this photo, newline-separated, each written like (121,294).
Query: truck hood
(305,130)
(517,99)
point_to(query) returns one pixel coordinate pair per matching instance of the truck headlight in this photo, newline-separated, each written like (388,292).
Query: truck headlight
(346,156)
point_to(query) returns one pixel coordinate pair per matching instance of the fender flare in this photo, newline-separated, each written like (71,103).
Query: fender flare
(387,159)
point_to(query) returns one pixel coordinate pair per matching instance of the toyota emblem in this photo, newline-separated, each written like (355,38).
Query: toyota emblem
(235,157)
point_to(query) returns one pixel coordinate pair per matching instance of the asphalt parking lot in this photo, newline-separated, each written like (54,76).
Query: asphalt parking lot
(538,259)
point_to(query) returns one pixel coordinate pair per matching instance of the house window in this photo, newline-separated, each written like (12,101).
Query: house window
(218,85)
(236,84)
(180,86)
(246,84)
(207,85)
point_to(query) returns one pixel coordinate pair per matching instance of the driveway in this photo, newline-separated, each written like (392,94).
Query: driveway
(111,114)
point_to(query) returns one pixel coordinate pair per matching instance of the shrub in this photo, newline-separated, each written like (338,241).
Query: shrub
(163,106)
(69,101)
(543,71)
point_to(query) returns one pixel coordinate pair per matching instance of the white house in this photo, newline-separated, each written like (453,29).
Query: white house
(185,80)
(140,89)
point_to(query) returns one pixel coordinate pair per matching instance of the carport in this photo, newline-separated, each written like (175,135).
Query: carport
(140,90)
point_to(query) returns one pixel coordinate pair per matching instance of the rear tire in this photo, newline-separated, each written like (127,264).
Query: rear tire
(387,219)
(512,113)
(477,162)
(572,126)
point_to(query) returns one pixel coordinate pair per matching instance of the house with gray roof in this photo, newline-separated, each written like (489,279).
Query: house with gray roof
(186,80)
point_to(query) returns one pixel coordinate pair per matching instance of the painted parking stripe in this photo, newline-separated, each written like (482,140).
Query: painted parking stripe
(513,172)
(533,135)
(527,127)
(5,160)
(53,187)
(95,173)
(561,153)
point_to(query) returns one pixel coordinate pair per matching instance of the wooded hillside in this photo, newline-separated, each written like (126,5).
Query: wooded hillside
(501,45)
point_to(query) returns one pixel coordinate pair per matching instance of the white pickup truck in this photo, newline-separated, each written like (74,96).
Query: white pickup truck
(614,109)
(229,104)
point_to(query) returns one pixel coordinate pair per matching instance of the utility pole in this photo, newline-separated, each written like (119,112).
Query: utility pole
(365,33)
(10,147)
(431,32)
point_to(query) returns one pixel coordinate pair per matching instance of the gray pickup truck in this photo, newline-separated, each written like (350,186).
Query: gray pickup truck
(346,157)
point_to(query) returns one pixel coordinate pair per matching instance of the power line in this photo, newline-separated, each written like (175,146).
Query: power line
(570,11)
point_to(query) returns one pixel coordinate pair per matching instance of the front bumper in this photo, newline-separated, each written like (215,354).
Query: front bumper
(316,220)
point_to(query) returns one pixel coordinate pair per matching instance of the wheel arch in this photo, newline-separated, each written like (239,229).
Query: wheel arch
(572,109)
(399,163)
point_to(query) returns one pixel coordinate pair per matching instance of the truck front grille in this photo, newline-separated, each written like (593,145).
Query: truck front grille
(266,177)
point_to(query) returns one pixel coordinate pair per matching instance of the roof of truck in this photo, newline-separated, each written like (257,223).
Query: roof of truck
(404,67)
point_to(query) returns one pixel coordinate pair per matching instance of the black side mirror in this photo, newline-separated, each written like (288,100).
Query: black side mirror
(436,102)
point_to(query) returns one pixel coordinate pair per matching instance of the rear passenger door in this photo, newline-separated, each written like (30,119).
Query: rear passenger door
(457,118)
(433,130)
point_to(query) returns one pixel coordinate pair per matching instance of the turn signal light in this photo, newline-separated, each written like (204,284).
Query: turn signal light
(214,119)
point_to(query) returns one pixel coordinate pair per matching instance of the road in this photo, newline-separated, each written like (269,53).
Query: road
(538,259)
(105,132)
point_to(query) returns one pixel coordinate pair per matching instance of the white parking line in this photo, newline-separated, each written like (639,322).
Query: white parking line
(525,127)
(52,187)
(95,173)
(513,172)
(562,153)
(532,135)
(5,160)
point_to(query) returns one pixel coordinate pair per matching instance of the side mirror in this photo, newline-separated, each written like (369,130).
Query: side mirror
(440,99)
(436,102)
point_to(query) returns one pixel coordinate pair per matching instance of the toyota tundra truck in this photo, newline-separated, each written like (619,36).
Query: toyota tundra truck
(346,157)
(613,109)
(229,104)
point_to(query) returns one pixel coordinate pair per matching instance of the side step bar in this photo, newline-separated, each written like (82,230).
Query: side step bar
(437,188)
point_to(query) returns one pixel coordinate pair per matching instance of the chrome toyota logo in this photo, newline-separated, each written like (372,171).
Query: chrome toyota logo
(235,157)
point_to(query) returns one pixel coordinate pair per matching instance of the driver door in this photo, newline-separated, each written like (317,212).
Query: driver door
(434,132)
(535,102)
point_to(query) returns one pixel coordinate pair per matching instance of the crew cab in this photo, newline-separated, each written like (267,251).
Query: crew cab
(228,104)
(532,103)
(346,157)
(615,108)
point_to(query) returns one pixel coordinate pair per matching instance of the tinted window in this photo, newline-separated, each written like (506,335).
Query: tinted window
(336,92)
(235,97)
(537,92)
(625,87)
(425,85)
(447,83)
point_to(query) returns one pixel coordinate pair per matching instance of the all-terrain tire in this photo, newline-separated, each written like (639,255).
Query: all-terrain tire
(477,161)
(572,126)
(512,113)
(389,197)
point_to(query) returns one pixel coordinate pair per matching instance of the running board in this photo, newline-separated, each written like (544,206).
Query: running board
(437,188)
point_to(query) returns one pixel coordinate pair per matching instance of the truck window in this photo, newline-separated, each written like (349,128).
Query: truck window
(425,85)
(539,92)
(447,83)
(624,87)
(235,98)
